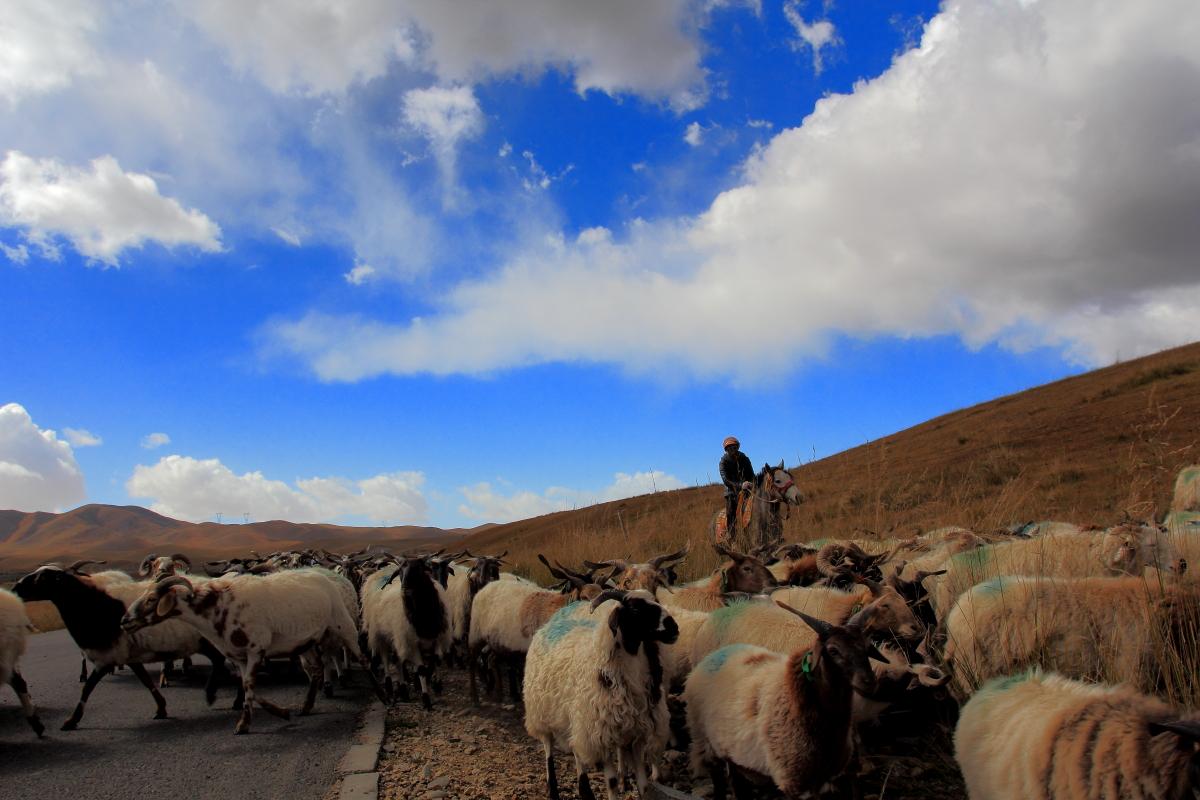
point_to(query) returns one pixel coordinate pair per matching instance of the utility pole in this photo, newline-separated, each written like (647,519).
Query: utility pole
(218,517)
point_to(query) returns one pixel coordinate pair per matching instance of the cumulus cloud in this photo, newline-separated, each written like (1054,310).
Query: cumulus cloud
(197,489)
(81,437)
(38,471)
(102,211)
(444,116)
(622,46)
(485,503)
(152,441)
(44,45)
(694,135)
(362,273)
(812,35)
(1028,175)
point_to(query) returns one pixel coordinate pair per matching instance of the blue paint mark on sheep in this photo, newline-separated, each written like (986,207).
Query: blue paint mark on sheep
(714,661)
(563,623)
(994,586)
(975,559)
(1003,684)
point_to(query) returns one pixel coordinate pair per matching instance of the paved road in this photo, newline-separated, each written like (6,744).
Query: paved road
(120,751)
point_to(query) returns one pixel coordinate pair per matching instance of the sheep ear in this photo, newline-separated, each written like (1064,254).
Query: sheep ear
(1186,729)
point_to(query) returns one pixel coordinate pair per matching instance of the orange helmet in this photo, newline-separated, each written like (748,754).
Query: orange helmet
(730,440)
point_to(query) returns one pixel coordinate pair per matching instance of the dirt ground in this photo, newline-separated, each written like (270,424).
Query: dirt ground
(459,752)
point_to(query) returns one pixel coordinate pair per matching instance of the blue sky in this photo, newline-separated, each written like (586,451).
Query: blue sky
(416,262)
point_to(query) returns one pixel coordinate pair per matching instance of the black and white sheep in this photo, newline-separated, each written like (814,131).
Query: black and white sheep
(594,687)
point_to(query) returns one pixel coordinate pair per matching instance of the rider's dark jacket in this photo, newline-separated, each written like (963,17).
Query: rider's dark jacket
(735,468)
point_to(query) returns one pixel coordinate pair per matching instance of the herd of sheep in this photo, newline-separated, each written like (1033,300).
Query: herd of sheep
(1073,651)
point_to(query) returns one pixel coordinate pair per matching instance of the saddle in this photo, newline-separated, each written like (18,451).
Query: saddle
(721,533)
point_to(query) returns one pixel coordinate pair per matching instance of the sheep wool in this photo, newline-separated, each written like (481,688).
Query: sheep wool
(1107,629)
(1040,736)
(14,628)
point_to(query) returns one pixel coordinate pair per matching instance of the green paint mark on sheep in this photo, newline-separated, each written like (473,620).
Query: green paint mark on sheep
(994,586)
(974,560)
(714,661)
(1003,684)
(563,622)
(722,618)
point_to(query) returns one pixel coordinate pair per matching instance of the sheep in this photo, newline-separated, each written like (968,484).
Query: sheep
(937,551)
(595,687)
(1187,490)
(14,628)
(413,618)
(796,565)
(156,567)
(896,680)
(658,571)
(506,613)
(93,615)
(767,625)
(785,717)
(742,573)
(1110,629)
(461,590)
(1037,736)
(252,618)
(1124,549)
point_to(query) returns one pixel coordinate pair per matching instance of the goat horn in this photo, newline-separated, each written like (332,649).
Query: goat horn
(875,586)
(658,561)
(183,558)
(822,627)
(78,565)
(608,594)
(144,567)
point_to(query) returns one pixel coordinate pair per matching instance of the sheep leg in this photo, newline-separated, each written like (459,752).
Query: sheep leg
(472,658)
(514,682)
(316,676)
(742,788)
(614,778)
(551,776)
(83,673)
(716,773)
(168,667)
(328,669)
(248,668)
(637,756)
(73,721)
(216,674)
(582,782)
(22,690)
(144,677)
(186,665)
(423,676)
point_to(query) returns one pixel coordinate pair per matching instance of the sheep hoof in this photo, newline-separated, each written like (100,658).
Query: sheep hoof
(69,725)
(426,703)
(161,714)
(240,729)
(37,726)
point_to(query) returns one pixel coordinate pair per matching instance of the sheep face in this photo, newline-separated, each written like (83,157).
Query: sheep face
(160,603)
(849,650)
(889,611)
(41,584)
(638,619)
(744,573)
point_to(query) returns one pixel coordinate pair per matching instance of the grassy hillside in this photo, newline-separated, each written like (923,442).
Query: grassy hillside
(1087,449)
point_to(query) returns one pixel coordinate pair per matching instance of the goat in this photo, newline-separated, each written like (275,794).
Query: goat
(741,573)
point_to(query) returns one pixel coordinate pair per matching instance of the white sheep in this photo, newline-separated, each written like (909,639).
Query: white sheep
(252,618)
(14,629)
(594,687)
(411,616)
(786,717)
(1040,736)
(742,573)
(1108,629)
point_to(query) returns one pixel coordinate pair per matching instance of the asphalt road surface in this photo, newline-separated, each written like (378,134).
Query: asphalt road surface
(121,751)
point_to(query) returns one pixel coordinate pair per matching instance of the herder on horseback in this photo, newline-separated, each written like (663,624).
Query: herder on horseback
(737,473)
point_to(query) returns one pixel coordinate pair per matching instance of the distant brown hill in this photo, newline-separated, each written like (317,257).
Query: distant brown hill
(124,534)
(1088,449)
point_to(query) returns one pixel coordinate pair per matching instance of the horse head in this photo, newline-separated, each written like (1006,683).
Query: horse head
(777,482)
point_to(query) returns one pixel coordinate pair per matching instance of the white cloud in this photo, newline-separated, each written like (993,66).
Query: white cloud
(288,236)
(694,135)
(815,35)
(485,503)
(621,46)
(81,437)
(17,255)
(155,440)
(38,471)
(445,116)
(1029,175)
(102,211)
(360,274)
(43,45)
(197,489)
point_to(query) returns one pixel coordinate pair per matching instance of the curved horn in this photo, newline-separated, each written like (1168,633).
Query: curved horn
(608,594)
(78,565)
(144,567)
(658,561)
(183,558)
(502,555)
(166,583)
(822,627)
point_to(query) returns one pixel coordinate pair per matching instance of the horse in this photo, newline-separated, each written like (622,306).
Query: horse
(773,489)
